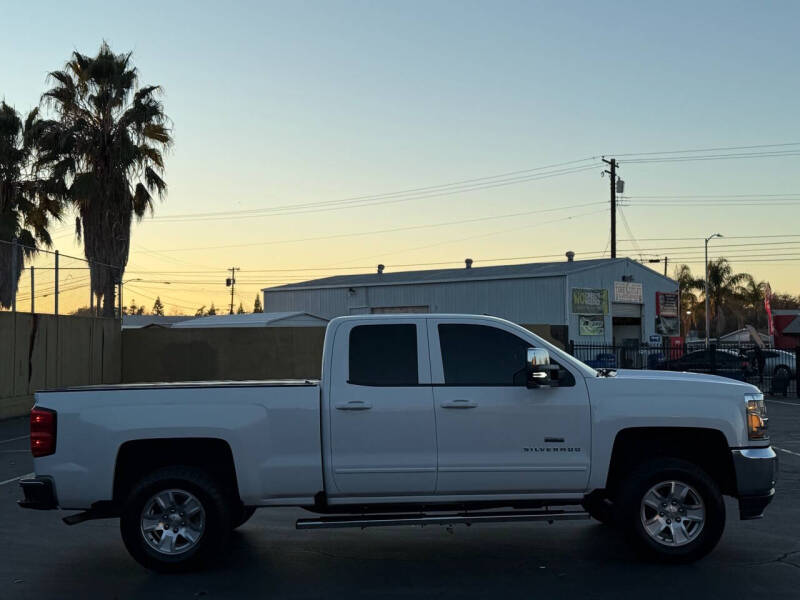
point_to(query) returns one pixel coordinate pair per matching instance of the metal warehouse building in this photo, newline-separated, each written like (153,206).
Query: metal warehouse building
(600,301)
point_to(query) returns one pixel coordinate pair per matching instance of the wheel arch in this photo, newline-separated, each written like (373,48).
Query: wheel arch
(136,458)
(705,447)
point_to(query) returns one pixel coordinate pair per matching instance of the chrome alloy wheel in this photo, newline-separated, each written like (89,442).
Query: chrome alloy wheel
(673,513)
(173,521)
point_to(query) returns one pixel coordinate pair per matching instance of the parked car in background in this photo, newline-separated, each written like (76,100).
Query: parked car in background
(717,362)
(777,363)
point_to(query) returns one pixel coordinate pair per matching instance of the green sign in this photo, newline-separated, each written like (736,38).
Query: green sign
(591,325)
(586,301)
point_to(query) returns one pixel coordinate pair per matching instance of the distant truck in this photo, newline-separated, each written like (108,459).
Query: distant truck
(418,419)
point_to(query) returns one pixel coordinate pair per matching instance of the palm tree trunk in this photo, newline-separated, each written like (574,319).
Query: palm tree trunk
(108,299)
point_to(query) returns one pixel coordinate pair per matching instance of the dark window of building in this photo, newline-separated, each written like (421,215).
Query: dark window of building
(383,355)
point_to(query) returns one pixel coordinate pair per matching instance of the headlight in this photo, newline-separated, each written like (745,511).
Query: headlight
(756,416)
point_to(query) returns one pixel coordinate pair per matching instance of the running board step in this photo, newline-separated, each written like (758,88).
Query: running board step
(425,519)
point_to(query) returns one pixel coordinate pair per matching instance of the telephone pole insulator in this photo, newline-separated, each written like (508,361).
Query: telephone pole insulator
(231,283)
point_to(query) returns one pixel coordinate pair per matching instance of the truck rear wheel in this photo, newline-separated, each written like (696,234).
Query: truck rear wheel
(175,519)
(672,510)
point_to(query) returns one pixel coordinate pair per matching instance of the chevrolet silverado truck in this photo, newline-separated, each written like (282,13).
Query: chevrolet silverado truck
(417,419)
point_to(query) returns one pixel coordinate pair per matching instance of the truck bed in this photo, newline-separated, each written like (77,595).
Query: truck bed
(271,427)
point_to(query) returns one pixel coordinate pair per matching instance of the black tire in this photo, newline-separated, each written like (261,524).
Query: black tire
(217,519)
(650,473)
(600,509)
(243,516)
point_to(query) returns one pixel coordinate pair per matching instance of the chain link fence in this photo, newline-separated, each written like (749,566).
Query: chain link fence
(52,283)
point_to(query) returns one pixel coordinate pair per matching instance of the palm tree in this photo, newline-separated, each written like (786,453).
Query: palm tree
(723,284)
(751,295)
(27,200)
(687,285)
(107,146)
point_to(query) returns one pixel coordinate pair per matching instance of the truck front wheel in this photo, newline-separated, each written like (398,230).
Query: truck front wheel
(672,510)
(175,519)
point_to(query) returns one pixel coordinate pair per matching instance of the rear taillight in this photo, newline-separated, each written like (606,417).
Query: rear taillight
(43,432)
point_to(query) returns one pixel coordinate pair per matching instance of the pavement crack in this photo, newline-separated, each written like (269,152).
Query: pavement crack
(783,558)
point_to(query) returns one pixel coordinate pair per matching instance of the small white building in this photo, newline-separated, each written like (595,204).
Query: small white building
(140,321)
(273,319)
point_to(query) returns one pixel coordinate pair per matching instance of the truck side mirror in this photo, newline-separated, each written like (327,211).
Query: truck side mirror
(537,368)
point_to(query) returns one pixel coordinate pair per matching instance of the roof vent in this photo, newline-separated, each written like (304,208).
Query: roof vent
(380,269)
(570,256)
(468,262)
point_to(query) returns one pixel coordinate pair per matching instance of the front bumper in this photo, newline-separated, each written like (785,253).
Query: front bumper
(38,493)
(756,475)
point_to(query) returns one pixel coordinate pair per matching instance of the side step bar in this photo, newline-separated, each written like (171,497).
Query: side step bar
(463,518)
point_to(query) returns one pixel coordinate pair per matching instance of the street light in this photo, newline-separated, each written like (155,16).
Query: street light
(711,237)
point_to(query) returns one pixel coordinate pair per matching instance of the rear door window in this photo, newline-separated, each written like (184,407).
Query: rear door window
(384,355)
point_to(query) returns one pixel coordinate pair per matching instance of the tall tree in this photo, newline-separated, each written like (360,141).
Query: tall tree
(723,284)
(28,198)
(107,145)
(687,285)
(158,307)
(212,310)
(751,295)
(240,310)
(257,308)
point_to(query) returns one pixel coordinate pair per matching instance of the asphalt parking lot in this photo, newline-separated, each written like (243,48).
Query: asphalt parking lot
(40,557)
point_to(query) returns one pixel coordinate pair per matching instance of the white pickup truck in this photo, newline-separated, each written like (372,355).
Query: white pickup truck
(417,419)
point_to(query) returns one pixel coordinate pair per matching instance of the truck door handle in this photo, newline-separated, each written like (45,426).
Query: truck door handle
(459,404)
(353,405)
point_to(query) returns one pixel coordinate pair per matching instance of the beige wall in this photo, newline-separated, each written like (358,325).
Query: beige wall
(160,354)
(44,351)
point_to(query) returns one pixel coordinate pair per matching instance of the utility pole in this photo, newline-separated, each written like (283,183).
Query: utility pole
(705,283)
(55,282)
(33,290)
(665,266)
(612,172)
(14,259)
(231,283)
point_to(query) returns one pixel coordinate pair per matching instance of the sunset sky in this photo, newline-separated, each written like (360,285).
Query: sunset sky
(302,103)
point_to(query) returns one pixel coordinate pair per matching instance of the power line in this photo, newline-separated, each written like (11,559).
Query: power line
(382,231)
(255,213)
(783,154)
(717,149)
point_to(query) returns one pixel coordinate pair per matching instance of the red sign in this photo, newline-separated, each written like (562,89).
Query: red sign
(667,304)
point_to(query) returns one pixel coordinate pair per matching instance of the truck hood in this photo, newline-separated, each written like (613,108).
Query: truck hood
(683,377)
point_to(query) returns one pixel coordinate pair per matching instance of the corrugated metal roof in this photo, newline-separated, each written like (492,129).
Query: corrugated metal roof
(245,320)
(540,269)
(136,321)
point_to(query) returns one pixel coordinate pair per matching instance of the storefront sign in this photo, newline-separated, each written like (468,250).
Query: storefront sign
(667,304)
(591,325)
(627,292)
(589,301)
(670,326)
